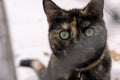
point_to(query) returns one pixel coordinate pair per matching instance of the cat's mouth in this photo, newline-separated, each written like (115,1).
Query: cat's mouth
(80,60)
(80,56)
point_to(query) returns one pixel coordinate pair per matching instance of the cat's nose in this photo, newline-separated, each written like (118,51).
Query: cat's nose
(78,45)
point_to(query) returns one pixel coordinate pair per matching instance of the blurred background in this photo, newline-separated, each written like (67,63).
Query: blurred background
(29,28)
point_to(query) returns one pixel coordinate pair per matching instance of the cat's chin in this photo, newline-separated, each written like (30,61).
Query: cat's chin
(80,57)
(90,65)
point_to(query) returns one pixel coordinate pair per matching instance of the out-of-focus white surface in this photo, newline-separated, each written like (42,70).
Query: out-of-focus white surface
(29,29)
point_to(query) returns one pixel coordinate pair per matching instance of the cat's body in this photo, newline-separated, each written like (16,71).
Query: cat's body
(78,40)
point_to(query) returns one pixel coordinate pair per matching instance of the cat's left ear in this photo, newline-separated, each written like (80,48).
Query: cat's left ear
(52,11)
(94,8)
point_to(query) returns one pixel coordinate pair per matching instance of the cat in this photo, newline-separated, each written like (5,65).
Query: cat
(77,39)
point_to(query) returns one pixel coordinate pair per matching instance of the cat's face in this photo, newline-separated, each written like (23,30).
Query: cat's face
(77,32)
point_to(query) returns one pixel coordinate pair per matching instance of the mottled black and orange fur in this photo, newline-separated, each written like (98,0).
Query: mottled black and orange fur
(78,51)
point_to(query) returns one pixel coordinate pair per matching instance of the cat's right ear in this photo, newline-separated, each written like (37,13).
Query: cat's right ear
(52,11)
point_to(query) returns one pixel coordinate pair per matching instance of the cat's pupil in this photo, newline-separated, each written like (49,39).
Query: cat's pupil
(64,35)
(89,32)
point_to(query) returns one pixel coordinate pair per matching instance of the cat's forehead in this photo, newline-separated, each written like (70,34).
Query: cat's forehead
(75,12)
(74,18)
(65,25)
(68,24)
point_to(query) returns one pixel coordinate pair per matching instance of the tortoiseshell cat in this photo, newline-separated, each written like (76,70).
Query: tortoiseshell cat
(78,40)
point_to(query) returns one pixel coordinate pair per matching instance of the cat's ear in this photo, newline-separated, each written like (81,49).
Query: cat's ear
(94,8)
(52,11)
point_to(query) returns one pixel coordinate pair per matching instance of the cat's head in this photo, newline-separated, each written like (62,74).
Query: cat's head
(79,32)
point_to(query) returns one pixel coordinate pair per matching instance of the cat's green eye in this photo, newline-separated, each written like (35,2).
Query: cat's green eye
(89,32)
(64,35)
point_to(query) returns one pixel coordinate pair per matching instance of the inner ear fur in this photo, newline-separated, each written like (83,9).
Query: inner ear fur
(52,11)
(94,8)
